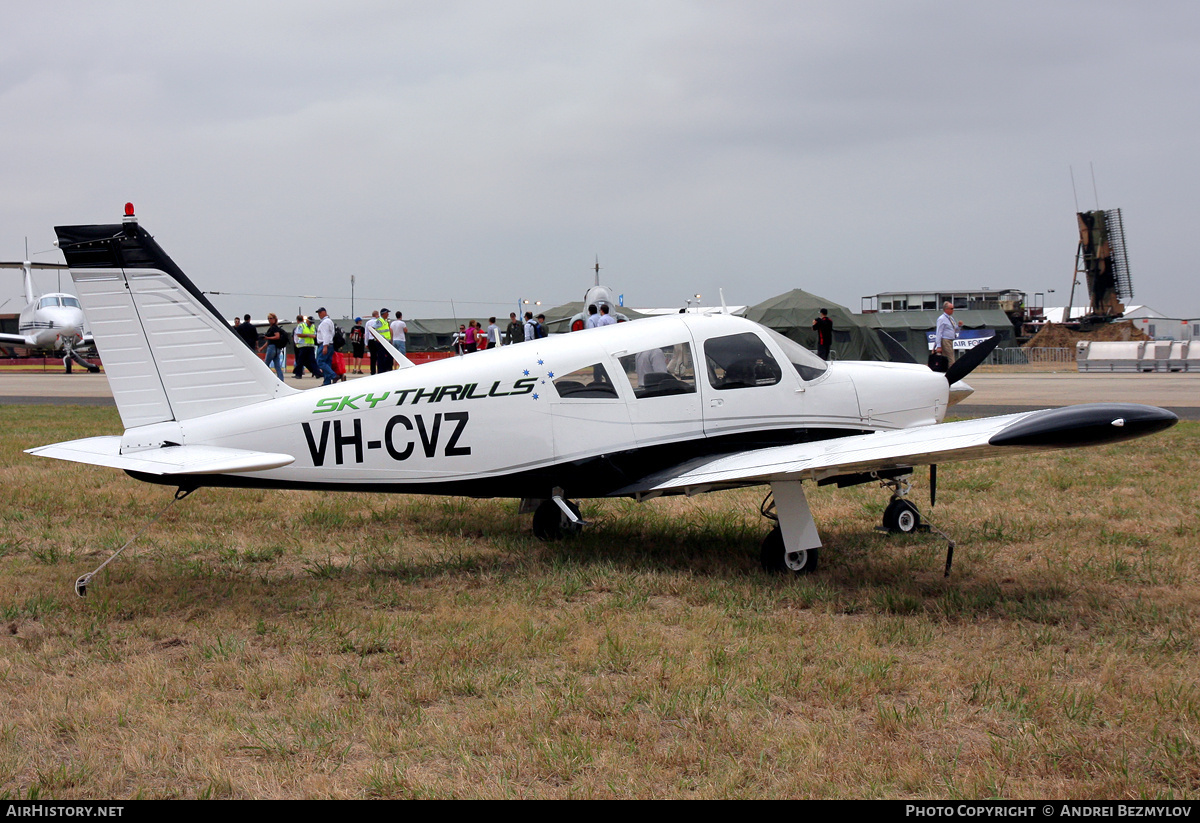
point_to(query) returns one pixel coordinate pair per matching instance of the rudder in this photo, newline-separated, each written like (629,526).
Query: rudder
(168,352)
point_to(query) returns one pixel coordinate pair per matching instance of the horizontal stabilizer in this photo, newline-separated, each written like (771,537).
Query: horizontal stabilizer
(106,451)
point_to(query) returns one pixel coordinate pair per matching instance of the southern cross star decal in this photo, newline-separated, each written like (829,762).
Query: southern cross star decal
(549,375)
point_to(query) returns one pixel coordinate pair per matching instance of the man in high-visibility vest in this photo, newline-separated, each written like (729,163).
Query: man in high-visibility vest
(383,325)
(305,338)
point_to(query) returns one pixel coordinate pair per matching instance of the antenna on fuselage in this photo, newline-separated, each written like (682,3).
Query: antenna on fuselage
(724,308)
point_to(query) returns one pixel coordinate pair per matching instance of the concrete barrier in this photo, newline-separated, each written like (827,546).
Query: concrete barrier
(1138,356)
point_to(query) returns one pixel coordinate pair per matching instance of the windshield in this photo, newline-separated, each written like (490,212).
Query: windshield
(48,303)
(72,302)
(807,364)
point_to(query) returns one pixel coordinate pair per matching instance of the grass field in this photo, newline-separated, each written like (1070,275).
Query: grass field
(287,644)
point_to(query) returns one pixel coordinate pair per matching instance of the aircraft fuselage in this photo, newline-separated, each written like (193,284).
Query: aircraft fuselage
(586,412)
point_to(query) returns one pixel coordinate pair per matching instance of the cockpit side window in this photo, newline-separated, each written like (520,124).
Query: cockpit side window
(807,364)
(661,371)
(589,382)
(740,361)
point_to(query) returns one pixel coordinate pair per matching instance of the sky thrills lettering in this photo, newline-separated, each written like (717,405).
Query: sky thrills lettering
(453,391)
(330,404)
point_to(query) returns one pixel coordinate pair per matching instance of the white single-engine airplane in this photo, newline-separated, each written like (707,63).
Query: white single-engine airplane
(50,322)
(592,414)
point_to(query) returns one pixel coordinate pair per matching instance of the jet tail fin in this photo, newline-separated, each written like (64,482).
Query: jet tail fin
(168,352)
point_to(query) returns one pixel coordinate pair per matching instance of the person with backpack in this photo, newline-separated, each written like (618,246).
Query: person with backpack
(276,356)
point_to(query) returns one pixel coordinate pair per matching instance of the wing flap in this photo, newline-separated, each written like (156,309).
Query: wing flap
(1071,426)
(170,460)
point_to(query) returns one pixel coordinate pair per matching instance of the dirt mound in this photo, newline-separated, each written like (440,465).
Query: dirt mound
(1057,337)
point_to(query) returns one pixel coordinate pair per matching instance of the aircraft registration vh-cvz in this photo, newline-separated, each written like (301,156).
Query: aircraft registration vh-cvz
(681,404)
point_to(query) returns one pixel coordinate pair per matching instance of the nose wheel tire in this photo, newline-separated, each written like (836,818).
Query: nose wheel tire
(901,516)
(777,560)
(550,524)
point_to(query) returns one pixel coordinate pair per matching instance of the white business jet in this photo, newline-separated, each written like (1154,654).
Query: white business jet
(597,413)
(49,322)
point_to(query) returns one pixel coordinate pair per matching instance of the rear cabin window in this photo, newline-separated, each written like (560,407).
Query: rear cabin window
(588,382)
(661,371)
(740,361)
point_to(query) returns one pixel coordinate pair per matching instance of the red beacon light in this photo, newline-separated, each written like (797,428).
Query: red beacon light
(130,220)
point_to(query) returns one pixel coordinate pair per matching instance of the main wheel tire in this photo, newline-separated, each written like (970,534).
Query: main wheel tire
(901,516)
(776,559)
(549,522)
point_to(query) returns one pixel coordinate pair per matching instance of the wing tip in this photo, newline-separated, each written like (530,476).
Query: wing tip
(1085,425)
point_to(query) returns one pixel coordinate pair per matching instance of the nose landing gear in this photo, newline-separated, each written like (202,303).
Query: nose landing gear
(901,515)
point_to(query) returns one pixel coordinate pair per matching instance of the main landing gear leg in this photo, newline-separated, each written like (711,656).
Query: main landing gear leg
(557,518)
(792,545)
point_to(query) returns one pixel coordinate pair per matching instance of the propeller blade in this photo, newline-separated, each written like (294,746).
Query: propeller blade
(970,359)
(932,485)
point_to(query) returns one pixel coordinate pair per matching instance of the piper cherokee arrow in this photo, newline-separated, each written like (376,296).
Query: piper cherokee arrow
(681,404)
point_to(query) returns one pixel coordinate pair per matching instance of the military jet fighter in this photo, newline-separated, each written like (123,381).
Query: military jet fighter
(681,404)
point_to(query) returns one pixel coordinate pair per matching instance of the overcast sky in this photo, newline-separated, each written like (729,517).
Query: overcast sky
(483,152)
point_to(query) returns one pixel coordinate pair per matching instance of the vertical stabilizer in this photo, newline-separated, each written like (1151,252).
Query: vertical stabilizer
(168,352)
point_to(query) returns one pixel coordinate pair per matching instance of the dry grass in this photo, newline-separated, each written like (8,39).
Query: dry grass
(270,644)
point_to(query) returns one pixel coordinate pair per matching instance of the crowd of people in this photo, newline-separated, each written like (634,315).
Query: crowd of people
(317,343)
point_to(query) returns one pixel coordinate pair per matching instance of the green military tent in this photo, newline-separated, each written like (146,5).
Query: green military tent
(792,314)
(910,329)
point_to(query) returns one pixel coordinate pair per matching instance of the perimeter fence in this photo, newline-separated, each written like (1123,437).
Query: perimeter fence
(1031,357)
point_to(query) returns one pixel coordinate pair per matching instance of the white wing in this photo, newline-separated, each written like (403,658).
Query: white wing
(1067,427)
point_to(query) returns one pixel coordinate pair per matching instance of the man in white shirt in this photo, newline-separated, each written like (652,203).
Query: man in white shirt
(946,333)
(400,333)
(325,347)
(606,319)
(593,318)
